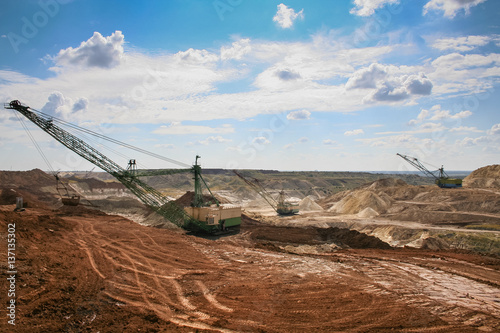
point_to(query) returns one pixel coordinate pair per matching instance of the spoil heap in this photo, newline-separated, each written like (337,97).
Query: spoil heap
(308,204)
(368,201)
(485,177)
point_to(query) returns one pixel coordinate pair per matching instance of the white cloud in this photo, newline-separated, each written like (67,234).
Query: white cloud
(164,145)
(391,83)
(197,56)
(237,50)
(329,142)
(368,7)
(176,128)
(213,139)
(436,114)
(55,101)
(299,115)
(260,140)
(59,104)
(457,61)
(286,16)
(461,44)
(80,105)
(354,132)
(98,51)
(495,130)
(367,77)
(465,129)
(451,7)
(303,140)
(446,114)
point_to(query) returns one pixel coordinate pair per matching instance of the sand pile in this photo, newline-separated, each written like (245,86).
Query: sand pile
(308,204)
(485,177)
(368,212)
(358,200)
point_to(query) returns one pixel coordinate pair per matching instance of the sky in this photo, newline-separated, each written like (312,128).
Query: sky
(321,85)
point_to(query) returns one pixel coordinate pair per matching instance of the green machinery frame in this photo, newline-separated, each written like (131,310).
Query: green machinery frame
(128,177)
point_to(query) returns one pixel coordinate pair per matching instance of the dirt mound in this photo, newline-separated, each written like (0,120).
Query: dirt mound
(15,179)
(275,237)
(368,212)
(91,184)
(358,200)
(31,197)
(186,199)
(485,177)
(308,204)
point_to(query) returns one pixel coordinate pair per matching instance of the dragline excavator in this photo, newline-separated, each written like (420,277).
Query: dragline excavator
(201,216)
(280,205)
(441,177)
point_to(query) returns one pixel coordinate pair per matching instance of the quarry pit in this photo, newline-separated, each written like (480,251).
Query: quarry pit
(380,257)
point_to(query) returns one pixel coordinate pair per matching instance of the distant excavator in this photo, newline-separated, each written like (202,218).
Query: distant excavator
(280,205)
(441,177)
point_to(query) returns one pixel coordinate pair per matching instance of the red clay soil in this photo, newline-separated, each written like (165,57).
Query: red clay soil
(84,271)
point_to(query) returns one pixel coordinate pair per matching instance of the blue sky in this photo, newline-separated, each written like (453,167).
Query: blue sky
(261,84)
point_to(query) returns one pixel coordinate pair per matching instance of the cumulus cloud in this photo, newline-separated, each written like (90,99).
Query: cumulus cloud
(450,8)
(287,75)
(237,50)
(80,105)
(495,130)
(436,114)
(367,77)
(299,115)
(197,56)
(461,44)
(446,114)
(418,84)
(55,101)
(213,139)
(390,84)
(329,142)
(98,51)
(354,132)
(368,7)
(260,140)
(286,16)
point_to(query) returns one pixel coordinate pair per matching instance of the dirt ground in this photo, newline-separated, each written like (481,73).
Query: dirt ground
(79,270)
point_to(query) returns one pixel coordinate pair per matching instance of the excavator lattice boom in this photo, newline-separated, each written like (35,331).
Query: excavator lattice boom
(196,218)
(440,176)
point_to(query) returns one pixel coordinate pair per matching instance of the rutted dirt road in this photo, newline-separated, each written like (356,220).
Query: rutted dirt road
(80,270)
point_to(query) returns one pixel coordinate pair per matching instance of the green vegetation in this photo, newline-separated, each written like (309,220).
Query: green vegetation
(494,227)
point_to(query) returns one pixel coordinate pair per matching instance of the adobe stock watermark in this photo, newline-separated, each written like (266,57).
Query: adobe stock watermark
(224,6)
(30,27)
(11,273)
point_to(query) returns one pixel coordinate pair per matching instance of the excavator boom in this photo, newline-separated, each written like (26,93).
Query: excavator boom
(147,194)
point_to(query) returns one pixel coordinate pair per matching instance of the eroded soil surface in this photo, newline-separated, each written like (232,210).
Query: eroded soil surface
(79,270)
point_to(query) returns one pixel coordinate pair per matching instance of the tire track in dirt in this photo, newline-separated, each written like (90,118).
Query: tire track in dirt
(211,298)
(138,291)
